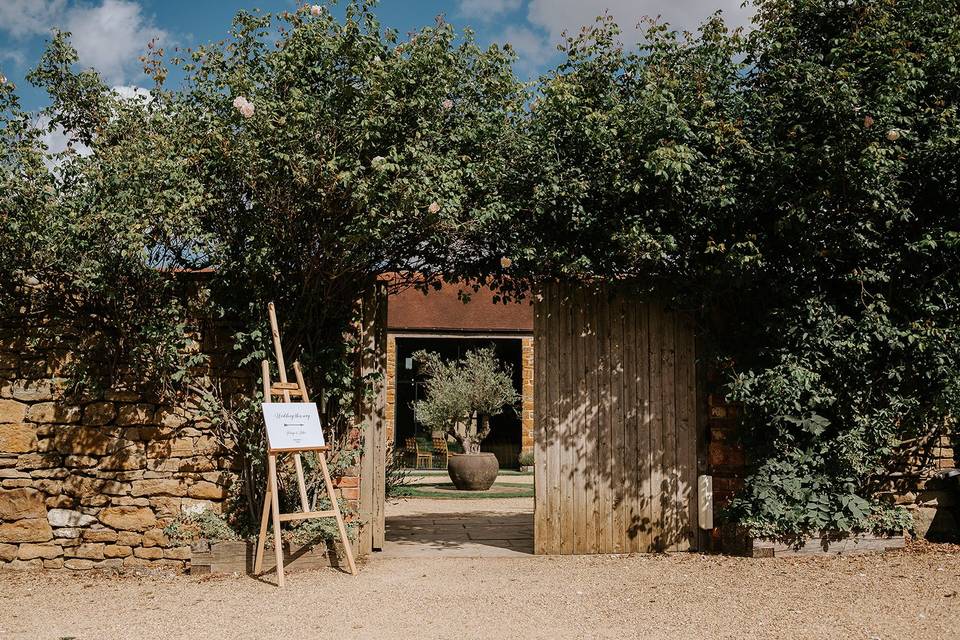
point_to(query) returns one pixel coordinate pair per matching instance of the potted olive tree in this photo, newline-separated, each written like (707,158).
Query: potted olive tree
(461,397)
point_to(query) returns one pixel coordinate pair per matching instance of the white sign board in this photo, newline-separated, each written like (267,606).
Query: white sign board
(292,426)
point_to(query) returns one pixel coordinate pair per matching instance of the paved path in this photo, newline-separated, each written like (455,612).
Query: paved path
(459,528)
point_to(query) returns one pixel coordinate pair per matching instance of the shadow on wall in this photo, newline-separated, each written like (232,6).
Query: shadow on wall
(616,436)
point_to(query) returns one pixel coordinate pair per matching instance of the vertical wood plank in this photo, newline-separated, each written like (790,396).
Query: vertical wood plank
(669,399)
(686,434)
(644,457)
(556,444)
(656,426)
(540,422)
(618,435)
(631,426)
(580,463)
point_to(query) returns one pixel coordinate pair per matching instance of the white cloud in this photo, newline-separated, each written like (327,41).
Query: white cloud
(57,141)
(487,10)
(23,18)
(532,47)
(108,36)
(132,92)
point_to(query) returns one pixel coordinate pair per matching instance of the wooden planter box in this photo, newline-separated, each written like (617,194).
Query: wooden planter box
(739,544)
(237,556)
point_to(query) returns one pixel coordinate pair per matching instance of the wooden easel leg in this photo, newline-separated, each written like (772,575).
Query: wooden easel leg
(275,508)
(347,548)
(262,537)
(301,484)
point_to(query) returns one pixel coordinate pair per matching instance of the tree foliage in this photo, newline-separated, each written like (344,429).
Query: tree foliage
(794,188)
(462,395)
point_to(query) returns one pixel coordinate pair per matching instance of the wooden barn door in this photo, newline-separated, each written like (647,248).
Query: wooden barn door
(615,425)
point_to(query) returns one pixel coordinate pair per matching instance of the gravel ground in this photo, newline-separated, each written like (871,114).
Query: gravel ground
(896,596)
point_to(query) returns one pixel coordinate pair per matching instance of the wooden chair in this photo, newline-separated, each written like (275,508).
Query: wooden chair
(441,452)
(413,451)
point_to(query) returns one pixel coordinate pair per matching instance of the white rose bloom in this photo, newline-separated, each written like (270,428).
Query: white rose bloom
(316,10)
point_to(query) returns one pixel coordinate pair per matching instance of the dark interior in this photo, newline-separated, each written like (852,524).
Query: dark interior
(505,438)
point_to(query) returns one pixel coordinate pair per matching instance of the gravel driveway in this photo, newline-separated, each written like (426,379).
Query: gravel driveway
(895,596)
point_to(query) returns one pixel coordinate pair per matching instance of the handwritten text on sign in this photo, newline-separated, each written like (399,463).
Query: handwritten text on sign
(292,425)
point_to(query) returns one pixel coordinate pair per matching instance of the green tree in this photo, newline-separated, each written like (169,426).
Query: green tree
(462,395)
(300,158)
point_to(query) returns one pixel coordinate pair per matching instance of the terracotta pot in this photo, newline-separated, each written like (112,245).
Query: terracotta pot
(473,471)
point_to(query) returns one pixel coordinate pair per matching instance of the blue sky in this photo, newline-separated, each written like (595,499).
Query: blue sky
(110,34)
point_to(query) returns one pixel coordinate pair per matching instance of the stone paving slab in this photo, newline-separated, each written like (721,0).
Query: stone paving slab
(458,529)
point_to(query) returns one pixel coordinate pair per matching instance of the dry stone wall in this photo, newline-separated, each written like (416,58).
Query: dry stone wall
(91,484)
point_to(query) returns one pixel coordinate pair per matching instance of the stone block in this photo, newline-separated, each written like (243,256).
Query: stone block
(87,441)
(99,413)
(129,457)
(13,474)
(12,411)
(52,474)
(25,565)
(32,390)
(133,562)
(69,518)
(18,438)
(110,564)
(134,414)
(90,551)
(16,504)
(148,553)
(121,395)
(117,551)
(59,502)
(16,483)
(8,552)
(155,538)
(78,564)
(166,507)
(39,461)
(159,487)
(206,491)
(128,518)
(68,533)
(99,535)
(128,538)
(28,530)
(82,486)
(29,551)
(53,413)
(80,462)
(178,553)
(53,563)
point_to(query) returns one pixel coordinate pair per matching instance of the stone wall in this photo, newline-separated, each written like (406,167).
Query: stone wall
(91,484)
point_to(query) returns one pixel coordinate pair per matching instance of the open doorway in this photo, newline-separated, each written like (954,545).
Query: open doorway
(429,516)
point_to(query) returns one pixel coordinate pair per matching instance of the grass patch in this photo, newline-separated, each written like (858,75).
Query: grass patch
(446,491)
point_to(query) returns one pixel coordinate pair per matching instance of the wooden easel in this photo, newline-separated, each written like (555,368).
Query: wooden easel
(271,501)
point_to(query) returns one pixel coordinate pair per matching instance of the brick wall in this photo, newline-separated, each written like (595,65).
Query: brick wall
(390,412)
(91,484)
(526,442)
